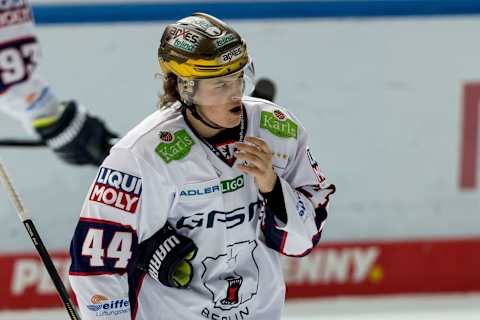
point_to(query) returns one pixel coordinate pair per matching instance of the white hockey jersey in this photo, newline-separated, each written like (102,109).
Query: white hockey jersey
(161,171)
(23,95)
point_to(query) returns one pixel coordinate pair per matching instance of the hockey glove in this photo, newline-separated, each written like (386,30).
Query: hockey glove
(166,257)
(75,136)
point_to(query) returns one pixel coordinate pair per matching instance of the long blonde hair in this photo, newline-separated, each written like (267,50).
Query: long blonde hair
(170,92)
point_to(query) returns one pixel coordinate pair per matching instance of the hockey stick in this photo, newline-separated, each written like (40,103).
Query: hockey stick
(21,143)
(37,241)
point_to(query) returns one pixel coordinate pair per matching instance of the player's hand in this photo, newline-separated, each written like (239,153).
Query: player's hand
(75,136)
(167,256)
(258,157)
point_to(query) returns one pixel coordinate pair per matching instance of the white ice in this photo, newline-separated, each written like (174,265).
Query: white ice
(414,307)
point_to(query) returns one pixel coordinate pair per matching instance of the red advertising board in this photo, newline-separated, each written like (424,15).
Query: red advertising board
(356,268)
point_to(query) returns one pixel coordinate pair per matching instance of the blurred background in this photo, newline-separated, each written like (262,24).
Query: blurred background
(389,92)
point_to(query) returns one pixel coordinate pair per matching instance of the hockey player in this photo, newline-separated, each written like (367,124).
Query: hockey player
(73,134)
(190,212)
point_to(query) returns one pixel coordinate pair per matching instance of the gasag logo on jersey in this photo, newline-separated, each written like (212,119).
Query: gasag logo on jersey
(105,307)
(117,189)
(177,148)
(233,184)
(278,124)
(231,219)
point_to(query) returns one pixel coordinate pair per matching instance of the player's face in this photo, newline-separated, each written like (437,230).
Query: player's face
(219,99)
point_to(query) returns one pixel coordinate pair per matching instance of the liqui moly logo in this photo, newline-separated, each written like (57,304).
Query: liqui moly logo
(117,189)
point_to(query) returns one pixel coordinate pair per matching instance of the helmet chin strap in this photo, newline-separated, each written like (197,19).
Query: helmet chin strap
(203,119)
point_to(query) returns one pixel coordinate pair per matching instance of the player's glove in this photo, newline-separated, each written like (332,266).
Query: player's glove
(75,136)
(166,257)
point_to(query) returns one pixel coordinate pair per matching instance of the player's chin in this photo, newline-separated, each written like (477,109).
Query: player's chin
(231,122)
(232,117)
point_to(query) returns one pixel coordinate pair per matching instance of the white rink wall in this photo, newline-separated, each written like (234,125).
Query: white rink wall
(382,100)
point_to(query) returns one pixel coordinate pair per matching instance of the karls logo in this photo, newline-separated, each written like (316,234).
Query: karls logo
(104,307)
(279,115)
(166,136)
(117,189)
(177,148)
(278,125)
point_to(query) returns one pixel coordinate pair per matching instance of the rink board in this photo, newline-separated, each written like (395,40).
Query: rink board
(357,268)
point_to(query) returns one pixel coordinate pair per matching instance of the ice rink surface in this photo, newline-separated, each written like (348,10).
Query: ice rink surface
(416,307)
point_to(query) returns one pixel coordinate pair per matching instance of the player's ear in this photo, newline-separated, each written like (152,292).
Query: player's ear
(180,86)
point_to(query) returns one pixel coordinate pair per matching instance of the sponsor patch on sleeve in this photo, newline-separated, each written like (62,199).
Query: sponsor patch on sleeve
(322,181)
(278,124)
(117,189)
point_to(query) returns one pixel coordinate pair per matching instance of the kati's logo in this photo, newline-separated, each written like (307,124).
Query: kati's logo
(278,124)
(176,149)
(279,115)
(166,136)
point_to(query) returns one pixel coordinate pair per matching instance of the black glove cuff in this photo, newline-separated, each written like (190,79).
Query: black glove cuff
(61,124)
(161,254)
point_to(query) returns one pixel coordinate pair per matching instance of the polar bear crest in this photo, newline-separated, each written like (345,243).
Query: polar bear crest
(232,277)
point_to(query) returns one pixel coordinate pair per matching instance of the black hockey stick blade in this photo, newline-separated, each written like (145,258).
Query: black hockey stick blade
(265,89)
(21,143)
